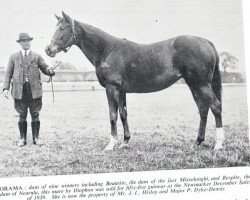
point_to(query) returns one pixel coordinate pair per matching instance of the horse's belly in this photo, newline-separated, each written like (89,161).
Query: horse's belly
(155,84)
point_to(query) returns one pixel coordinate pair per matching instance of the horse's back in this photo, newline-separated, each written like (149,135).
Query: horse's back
(143,68)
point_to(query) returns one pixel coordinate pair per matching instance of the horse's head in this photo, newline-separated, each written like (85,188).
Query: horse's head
(64,36)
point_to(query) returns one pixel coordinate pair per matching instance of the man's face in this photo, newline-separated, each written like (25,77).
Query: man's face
(25,44)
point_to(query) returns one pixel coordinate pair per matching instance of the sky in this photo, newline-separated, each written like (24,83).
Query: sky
(142,21)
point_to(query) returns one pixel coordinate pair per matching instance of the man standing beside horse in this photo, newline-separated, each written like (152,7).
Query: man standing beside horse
(23,74)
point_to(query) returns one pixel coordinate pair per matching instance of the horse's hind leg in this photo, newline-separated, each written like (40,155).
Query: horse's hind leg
(203,110)
(123,115)
(214,104)
(113,97)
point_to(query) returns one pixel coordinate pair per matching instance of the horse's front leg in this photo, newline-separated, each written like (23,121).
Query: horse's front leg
(123,115)
(113,97)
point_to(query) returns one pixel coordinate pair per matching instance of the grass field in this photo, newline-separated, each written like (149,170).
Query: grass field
(75,130)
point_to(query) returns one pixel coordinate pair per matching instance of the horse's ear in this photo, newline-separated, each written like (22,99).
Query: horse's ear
(66,17)
(58,18)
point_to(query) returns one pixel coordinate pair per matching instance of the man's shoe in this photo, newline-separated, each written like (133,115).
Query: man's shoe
(21,143)
(36,141)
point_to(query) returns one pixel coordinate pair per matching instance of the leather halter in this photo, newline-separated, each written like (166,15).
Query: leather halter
(67,46)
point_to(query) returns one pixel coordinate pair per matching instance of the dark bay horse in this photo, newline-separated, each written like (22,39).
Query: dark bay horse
(124,67)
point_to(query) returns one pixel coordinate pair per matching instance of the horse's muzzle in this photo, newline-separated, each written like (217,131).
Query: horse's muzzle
(49,52)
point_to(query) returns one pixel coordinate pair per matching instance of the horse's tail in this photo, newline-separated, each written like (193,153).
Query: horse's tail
(216,80)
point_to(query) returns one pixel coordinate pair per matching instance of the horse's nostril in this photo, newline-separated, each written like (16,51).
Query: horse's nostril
(47,49)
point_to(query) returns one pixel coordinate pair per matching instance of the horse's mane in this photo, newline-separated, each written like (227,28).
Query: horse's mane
(94,31)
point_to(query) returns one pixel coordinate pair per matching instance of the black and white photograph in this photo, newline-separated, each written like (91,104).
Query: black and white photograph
(103,87)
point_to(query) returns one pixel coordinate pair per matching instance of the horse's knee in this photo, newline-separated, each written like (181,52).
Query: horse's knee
(113,119)
(203,117)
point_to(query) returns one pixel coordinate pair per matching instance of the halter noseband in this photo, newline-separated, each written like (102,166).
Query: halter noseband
(67,46)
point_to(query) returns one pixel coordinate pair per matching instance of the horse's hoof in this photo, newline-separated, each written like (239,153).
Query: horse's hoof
(126,138)
(111,144)
(198,142)
(124,146)
(108,149)
(218,146)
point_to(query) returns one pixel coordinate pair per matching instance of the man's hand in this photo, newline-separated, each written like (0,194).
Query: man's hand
(6,94)
(51,71)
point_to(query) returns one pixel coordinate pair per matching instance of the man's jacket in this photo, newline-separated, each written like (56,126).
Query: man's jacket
(14,74)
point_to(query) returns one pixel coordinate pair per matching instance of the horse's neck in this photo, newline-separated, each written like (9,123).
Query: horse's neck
(94,43)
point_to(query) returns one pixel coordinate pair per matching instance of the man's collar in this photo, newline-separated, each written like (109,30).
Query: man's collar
(23,52)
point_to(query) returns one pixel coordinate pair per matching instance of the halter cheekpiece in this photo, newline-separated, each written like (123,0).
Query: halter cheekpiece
(67,46)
